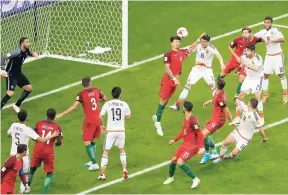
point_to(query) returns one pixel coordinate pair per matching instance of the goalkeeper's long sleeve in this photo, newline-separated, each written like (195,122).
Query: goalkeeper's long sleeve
(7,56)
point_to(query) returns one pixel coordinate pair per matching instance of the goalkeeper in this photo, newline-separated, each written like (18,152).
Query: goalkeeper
(13,73)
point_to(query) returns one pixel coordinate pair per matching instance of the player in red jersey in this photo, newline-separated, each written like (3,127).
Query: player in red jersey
(218,119)
(11,168)
(173,61)
(44,151)
(234,62)
(89,98)
(191,145)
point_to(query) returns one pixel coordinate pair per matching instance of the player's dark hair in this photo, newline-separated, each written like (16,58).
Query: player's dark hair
(174,38)
(220,83)
(254,103)
(116,92)
(206,37)
(86,81)
(22,39)
(269,18)
(247,28)
(51,113)
(188,106)
(21,148)
(22,115)
(251,47)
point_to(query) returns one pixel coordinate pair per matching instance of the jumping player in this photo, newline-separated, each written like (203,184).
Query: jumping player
(44,152)
(205,53)
(243,134)
(11,168)
(234,62)
(173,61)
(13,72)
(274,60)
(89,98)
(118,111)
(191,145)
(218,119)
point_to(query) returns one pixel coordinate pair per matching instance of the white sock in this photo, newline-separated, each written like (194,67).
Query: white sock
(104,161)
(223,150)
(284,83)
(260,106)
(184,93)
(123,158)
(265,84)
(213,91)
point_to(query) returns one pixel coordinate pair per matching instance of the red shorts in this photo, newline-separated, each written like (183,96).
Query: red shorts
(48,160)
(185,153)
(6,188)
(91,130)
(214,125)
(231,65)
(167,89)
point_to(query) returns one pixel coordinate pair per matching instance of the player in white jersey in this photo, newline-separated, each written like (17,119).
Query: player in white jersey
(274,60)
(118,111)
(21,134)
(242,134)
(252,63)
(205,53)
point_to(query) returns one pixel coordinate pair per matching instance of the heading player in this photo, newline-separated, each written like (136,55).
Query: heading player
(21,134)
(11,168)
(218,119)
(89,97)
(44,152)
(13,72)
(205,53)
(252,63)
(173,61)
(118,111)
(274,60)
(240,44)
(243,134)
(191,145)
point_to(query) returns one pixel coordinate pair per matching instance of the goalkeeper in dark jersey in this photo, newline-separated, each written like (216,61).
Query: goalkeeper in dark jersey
(13,72)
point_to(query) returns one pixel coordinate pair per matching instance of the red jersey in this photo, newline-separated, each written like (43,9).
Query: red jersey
(89,98)
(219,103)
(46,128)
(11,168)
(241,44)
(191,133)
(175,59)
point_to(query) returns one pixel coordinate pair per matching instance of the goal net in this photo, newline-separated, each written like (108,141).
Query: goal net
(91,31)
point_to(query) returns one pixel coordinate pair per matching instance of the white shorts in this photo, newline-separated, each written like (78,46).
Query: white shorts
(241,143)
(26,164)
(274,64)
(252,85)
(114,138)
(200,72)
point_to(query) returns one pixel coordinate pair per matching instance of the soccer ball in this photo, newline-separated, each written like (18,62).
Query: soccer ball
(182,32)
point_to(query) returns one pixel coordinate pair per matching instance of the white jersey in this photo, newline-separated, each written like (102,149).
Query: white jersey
(205,55)
(250,121)
(21,134)
(117,110)
(271,34)
(256,60)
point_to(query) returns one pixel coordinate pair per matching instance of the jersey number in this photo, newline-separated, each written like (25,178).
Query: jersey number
(48,134)
(94,104)
(116,114)
(202,55)
(18,139)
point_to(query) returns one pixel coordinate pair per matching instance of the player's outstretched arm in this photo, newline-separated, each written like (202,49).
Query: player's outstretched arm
(71,109)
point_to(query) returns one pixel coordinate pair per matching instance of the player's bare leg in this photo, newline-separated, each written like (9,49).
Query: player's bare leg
(91,154)
(228,141)
(182,97)
(172,169)
(157,117)
(6,97)
(27,90)
(257,95)
(104,162)
(283,80)
(123,162)
(265,88)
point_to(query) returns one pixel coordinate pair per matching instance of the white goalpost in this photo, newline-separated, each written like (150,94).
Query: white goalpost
(89,31)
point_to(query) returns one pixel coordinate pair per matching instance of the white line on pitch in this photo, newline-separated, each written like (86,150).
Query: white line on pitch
(279,25)
(159,165)
(131,66)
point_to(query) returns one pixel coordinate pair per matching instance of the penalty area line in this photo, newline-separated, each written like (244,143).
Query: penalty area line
(160,165)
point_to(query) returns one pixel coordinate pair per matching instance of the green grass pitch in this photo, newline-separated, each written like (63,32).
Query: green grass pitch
(261,168)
